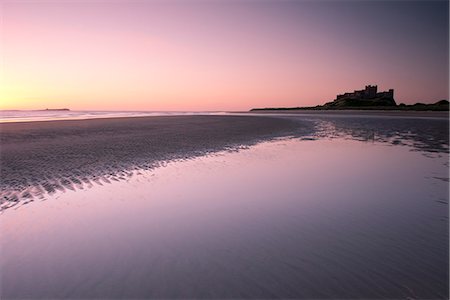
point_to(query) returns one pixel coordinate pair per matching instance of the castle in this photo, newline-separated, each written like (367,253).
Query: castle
(370,92)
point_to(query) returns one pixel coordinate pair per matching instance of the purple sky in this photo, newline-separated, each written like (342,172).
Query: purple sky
(218,55)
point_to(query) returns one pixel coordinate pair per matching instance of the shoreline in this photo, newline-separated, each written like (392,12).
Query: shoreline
(88,115)
(264,112)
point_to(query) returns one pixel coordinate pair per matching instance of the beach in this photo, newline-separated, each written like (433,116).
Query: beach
(42,157)
(216,207)
(224,150)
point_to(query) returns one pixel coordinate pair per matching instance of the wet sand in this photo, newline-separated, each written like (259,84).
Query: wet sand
(354,208)
(353,112)
(42,157)
(287,219)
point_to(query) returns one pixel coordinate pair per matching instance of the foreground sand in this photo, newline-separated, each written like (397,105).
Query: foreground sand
(40,157)
(333,218)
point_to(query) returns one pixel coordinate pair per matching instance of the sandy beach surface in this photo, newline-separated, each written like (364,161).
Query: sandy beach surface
(42,157)
(347,112)
(226,207)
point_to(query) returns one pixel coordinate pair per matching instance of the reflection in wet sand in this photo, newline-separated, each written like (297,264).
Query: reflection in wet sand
(31,171)
(296,218)
(422,134)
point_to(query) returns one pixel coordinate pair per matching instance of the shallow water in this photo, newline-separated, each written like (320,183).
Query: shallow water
(351,215)
(8,116)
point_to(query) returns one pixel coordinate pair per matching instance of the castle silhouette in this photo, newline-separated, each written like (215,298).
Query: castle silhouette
(370,92)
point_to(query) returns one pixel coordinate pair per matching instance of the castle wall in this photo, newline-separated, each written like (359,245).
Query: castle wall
(369,92)
(388,94)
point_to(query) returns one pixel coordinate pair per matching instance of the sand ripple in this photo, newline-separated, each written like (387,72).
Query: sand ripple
(39,158)
(48,157)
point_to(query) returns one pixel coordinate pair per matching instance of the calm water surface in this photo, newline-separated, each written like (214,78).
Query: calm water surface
(344,215)
(7,116)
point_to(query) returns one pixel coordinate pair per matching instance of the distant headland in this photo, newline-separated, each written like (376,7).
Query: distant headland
(55,109)
(368,99)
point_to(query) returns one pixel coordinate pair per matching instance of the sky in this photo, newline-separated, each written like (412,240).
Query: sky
(215,55)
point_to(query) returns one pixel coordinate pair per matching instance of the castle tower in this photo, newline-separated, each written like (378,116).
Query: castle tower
(391,93)
(370,91)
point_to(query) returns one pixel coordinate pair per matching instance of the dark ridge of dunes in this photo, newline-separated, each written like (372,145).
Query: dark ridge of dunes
(45,157)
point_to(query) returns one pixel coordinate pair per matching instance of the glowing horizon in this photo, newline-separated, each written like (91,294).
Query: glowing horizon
(218,55)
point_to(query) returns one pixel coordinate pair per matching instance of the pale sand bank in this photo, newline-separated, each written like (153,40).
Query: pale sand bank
(54,155)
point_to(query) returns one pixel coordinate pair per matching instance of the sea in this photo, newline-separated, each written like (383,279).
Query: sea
(7,116)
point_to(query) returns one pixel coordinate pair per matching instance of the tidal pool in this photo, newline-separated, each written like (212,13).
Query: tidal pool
(324,216)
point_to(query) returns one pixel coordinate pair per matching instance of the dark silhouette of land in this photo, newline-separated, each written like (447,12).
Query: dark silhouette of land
(368,99)
(56,109)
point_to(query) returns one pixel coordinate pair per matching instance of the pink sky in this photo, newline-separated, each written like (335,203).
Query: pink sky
(215,55)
